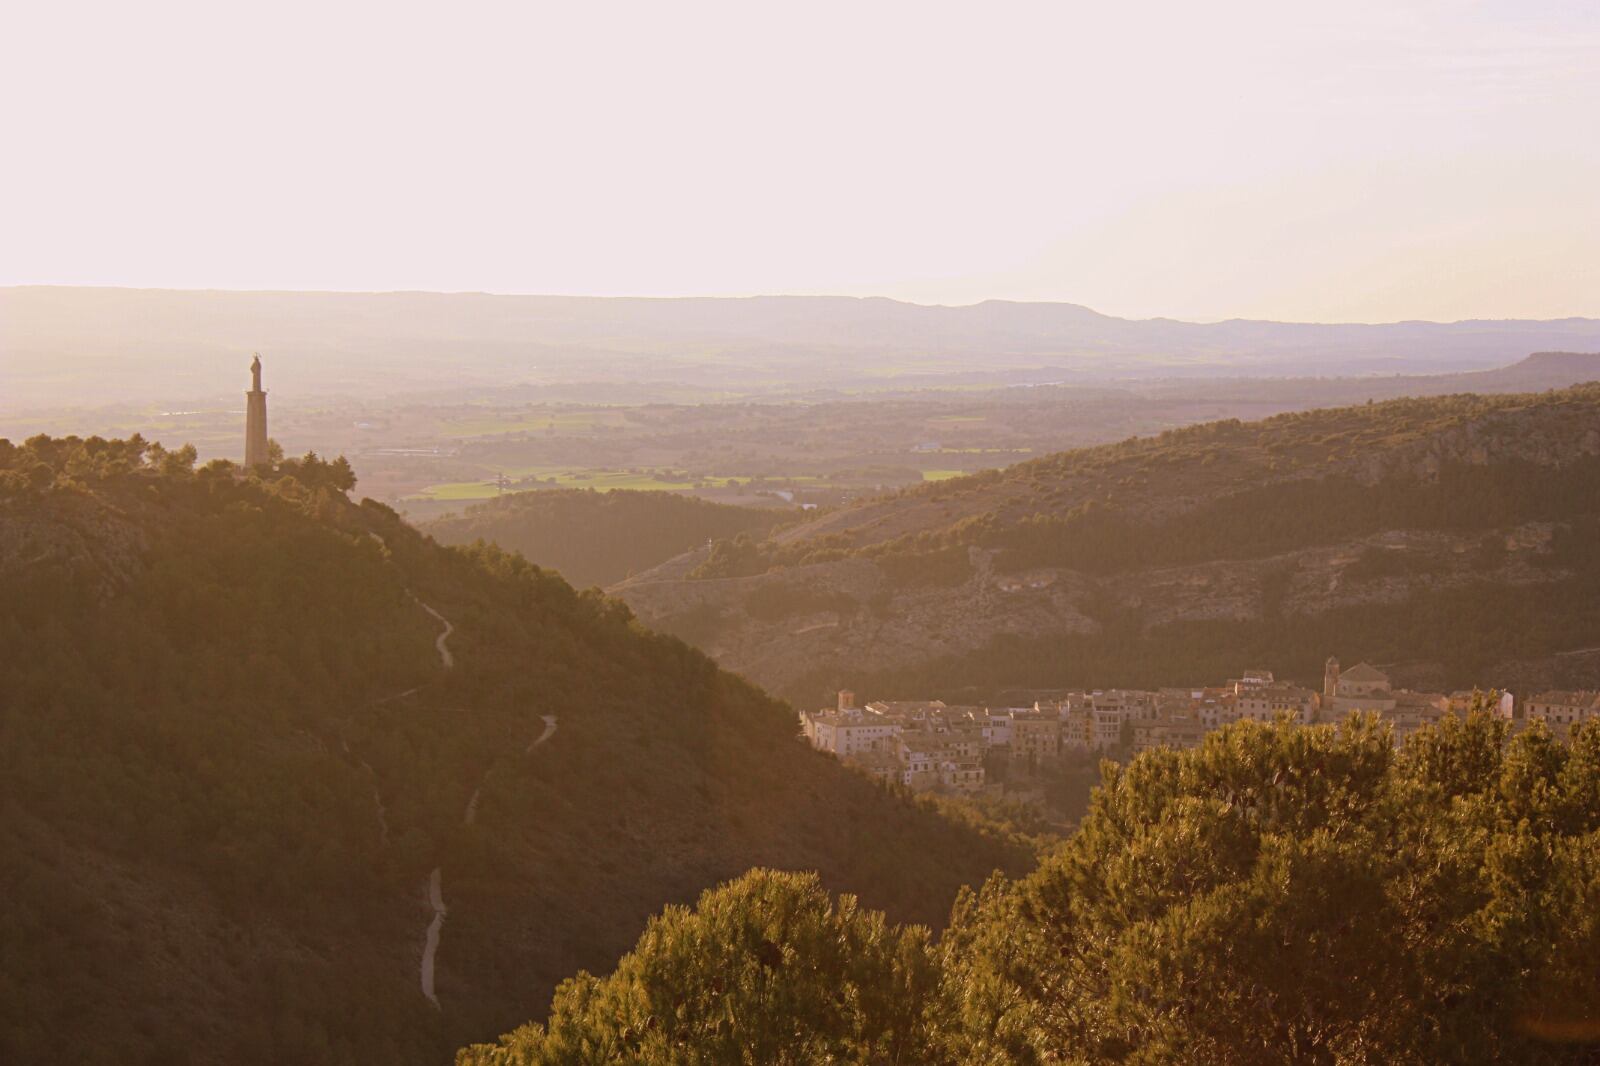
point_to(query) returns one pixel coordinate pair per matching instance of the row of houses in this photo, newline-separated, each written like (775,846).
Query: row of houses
(928,745)
(924,745)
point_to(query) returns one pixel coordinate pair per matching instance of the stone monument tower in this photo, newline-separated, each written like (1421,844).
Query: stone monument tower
(255,419)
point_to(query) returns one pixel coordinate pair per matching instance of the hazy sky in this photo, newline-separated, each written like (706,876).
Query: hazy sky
(1337,161)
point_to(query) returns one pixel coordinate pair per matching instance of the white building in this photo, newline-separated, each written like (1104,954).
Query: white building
(1561,711)
(850,732)
(997,726)
(1263,703)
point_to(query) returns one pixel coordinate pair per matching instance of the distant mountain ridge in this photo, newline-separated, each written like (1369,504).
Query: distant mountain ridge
(377,343)
(1546,369)
(1538,372)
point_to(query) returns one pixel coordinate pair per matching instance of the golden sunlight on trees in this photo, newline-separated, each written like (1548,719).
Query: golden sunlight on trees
(1281,894)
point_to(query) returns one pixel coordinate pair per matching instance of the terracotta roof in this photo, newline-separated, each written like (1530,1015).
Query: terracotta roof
(1362,673)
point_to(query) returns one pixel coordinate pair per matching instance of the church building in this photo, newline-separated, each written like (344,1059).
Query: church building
(1361,688)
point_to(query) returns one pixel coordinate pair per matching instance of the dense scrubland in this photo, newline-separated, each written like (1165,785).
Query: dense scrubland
(598,538)
(1176,558)
(1219,490)
(230,755)
(1283,894)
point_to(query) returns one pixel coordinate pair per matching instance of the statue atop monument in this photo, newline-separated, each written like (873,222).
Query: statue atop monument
(255,419)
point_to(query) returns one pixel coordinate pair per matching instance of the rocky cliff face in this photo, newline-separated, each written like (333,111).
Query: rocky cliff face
(862,622)
(1546,435)
(892,630)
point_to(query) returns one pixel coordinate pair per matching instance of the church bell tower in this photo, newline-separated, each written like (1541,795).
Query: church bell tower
(255,419)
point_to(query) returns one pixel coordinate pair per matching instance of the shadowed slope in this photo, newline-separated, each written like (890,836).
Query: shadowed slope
(232,755)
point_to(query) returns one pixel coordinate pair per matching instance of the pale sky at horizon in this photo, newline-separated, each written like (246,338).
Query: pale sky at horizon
(1353,162)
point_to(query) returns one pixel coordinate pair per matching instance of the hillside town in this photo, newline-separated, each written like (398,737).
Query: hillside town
(928,745)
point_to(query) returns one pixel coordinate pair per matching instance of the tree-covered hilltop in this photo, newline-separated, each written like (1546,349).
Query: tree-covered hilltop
(1232,489)
(243,720)
(1171,559)
(1283,894)
(597,538)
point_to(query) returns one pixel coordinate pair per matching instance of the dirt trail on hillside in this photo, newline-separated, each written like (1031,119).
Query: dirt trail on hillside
(444,652)
(435,931)
(430,940)
(471,814)
(549,728)
(430,944)
(448,661)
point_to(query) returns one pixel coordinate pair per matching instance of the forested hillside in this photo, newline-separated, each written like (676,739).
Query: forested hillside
(1174,559)
(1283,894)
(597,538)
(244,722)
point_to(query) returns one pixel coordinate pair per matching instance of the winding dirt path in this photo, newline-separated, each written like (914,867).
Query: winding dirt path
(430,939)
(471,815)
(430,944)
(549,730)
(444,653)
(448,661)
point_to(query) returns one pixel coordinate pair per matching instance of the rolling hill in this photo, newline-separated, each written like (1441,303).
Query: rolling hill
(1453,537)
(599,538)
(283,780)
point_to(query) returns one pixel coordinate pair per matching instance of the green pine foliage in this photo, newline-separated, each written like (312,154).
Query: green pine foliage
(1287,894)
(1283,894)
(766,969)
